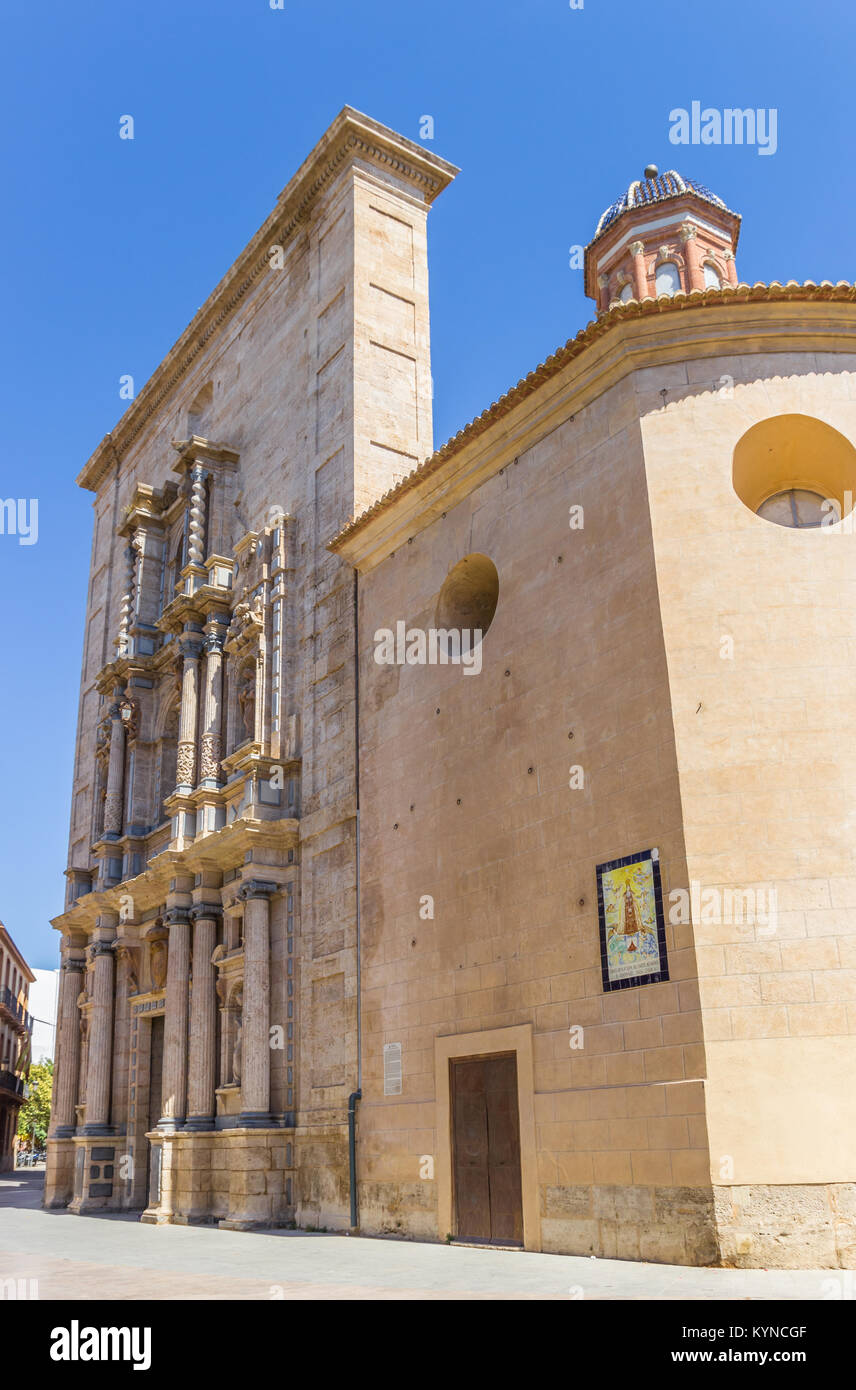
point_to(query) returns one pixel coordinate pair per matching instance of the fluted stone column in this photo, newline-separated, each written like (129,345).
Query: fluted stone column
(100,1041)
(174,1104)
(68,1062)
(255,1047)
(191,648)
(202,1063)
(125,981)
(115,796)
(209,769)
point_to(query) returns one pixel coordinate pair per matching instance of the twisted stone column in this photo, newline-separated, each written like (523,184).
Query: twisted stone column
(191,648)
(68,1060)
(255,1055)
(196,529)
(100,1041)
(126,607)
(174,1103)
(203,1019)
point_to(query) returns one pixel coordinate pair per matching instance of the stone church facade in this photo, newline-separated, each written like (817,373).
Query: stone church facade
(340,943)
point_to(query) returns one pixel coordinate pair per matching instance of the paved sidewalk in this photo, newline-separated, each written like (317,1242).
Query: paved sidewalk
(115,1257)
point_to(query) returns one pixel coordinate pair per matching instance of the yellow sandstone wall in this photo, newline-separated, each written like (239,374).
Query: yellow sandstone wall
(710,1118)
(763,739)
(465,797)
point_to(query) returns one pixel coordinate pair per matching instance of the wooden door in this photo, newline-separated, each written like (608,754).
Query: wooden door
(155,1101)
(486,1149)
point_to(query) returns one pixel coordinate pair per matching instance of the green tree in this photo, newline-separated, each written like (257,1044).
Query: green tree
(34,1115)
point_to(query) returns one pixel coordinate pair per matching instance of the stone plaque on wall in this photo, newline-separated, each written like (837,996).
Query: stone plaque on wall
(392,1069)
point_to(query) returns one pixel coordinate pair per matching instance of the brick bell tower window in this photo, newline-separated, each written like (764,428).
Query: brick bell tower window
(668,278)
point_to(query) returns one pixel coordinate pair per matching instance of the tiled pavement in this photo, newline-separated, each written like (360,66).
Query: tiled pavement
(114,1257)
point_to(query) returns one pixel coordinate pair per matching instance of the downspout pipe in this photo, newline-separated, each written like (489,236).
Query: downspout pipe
(357,1094)
(352,1153)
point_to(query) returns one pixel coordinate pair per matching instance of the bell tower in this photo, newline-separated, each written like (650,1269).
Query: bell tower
(665,235)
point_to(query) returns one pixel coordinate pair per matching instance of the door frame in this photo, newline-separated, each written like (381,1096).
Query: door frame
(459,1047)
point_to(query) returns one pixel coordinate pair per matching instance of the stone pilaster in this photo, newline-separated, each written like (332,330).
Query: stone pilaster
(201,1078)
(255,1053)
(174,1103)
(100,1053)
(63,1116)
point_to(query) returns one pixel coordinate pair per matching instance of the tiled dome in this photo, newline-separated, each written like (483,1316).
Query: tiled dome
(643,192)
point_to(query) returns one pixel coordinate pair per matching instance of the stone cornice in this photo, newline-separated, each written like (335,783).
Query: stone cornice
(352,137)
(222,850)
(712,322)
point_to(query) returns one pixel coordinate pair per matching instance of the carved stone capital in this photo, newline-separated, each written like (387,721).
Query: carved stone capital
(208,911)
(636,248)
(257,888)
(190,644)
(176,916)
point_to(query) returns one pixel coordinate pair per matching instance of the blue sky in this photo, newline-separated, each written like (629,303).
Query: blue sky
(110,246)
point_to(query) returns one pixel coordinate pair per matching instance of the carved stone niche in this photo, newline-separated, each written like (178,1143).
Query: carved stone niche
(157,938)
(247,697)
(128,961)
(230,993)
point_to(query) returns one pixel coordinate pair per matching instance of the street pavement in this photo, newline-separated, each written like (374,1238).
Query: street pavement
(54,1255)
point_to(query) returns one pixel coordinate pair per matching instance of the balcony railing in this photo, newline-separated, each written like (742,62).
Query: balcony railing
(10,1082)
(14,1007)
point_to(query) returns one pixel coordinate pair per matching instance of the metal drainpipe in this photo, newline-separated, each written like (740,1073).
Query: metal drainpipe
(357,1094)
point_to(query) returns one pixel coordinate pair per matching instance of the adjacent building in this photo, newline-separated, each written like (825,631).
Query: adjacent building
(44,998)
(460,839)
(15,1029)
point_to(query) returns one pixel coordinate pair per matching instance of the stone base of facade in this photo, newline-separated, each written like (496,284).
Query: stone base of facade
(805,1226)
(239,1179)
(245,1179)
(59,1174)
(237,1175)
(757,1227)
(663,1225)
